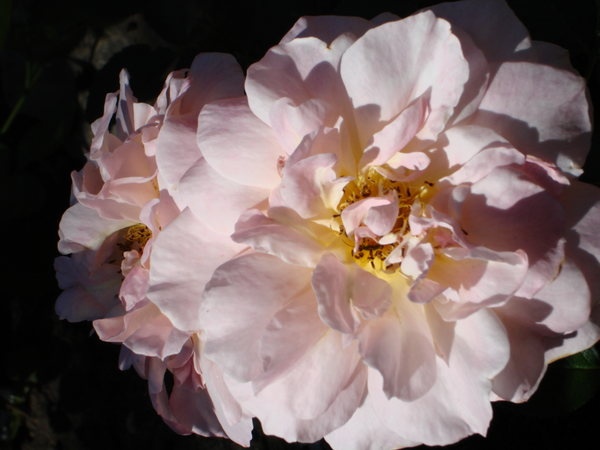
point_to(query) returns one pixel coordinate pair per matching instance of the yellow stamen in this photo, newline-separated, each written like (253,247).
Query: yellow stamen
(136,237)
(369,252)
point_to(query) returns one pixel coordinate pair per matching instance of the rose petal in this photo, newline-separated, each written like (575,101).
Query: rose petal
(203,250)
(238,304)
(427,55)
(237,144)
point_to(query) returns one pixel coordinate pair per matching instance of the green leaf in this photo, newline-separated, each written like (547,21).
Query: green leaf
(567,385)
(587,359)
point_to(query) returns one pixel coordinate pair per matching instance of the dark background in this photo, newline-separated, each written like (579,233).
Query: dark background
(60,387)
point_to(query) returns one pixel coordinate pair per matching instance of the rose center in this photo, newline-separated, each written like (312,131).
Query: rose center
(136,237)
(368,245)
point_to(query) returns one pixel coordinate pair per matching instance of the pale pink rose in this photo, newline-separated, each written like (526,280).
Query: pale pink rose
(124,235)
(423,247)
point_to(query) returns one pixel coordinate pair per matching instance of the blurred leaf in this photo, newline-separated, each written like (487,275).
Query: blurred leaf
(587,359)
(5,11)
(567,386)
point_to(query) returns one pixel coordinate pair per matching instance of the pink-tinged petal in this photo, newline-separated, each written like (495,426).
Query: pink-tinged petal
(212,76)
(464,142)
(88,293)
(305,182)
(428,56)
(442,333)
(499,20)
(457,404)
(82,227)
(131,260)
(582,204)
(582,210)
(239,303)
(175,84)
(535,327)
(145,330)
(547,175)
(129,160)
(398,344)
(103,140)
(238,145)
(312,194)
(478,277)
(131,116)
(425,290)
(347,295)
(326,28)
(587,335)
(125,121)
(119,187)
(134,286)
(176,149)
(392,138)
(508,211)
(159,212)
(523,372)
(194,411)
(293,122)
(479,76)
(121,199)
(485,162)
(290,334)
(287,236)
(184,256)
(382,219)
(370,295)
(417,261)
(330,283)
(197,191)
(88,180)
(236,424)
(520,188)
(542,109)
(299,70)
(566,316)
(318,394)
(187,408)
(365,431)
(405,166)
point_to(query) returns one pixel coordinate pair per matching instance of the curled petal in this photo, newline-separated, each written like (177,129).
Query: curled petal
(428,58)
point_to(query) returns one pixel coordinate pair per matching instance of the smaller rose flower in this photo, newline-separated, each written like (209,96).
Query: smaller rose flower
(130,202)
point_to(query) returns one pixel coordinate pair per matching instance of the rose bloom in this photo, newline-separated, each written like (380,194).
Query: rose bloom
(423,246)
(123,232)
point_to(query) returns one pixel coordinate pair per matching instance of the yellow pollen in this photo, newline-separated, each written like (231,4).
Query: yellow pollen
(368,252)
(136,237)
